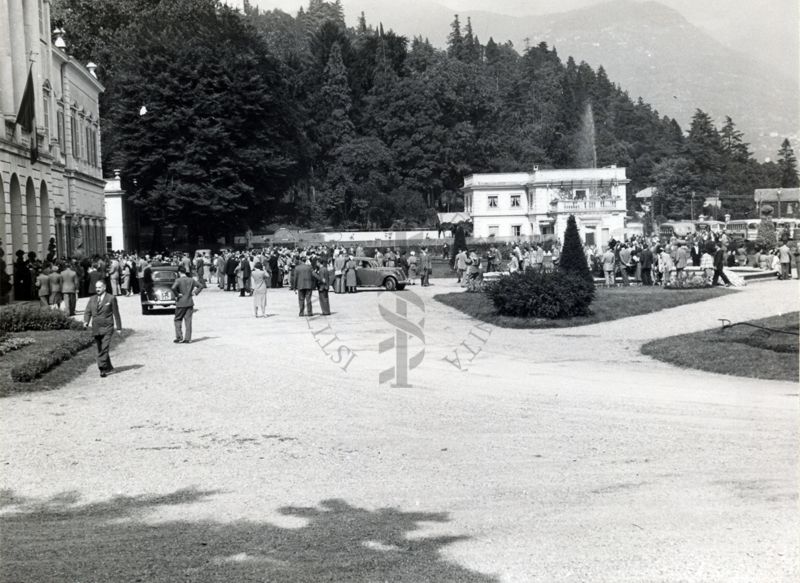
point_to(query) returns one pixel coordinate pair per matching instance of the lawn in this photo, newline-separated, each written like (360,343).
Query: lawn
(609,304)
(741,350)
(55,377)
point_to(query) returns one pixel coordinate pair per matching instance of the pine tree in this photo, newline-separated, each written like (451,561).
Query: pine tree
(573,258)
(334,123)
(455,41)
(459,244)
(732,144)
(788,166)
(472,48)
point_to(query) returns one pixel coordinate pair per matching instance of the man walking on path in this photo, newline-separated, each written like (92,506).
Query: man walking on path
(43,284)
(324,278)
(55,288)
(719,264)
(303,283)
(103,313)
(184,288)
(425,266)
(786,261)
(69,288)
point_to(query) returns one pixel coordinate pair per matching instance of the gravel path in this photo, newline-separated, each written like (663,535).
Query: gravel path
(551,455)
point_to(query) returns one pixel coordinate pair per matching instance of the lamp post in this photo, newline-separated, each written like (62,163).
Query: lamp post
(692,206)
(779,202)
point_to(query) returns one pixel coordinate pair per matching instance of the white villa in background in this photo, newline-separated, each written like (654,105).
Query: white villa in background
(523,206)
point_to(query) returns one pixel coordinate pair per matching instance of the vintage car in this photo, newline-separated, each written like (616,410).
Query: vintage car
(369,274)
(157,289)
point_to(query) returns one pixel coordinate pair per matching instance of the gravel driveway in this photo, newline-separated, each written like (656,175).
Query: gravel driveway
(253,454)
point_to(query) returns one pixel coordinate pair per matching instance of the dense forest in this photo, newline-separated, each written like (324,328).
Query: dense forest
(225,120)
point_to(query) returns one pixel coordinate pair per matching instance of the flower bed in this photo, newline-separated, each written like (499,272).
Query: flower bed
(8,344)
(34,366)
(691,281)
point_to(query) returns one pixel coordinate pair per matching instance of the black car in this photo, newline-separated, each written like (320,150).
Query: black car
(157,290)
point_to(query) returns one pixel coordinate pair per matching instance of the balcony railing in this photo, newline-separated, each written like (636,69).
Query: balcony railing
(588,205)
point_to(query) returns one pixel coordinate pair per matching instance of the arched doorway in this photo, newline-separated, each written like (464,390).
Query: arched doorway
(30,204)
(45,216)
(15,195)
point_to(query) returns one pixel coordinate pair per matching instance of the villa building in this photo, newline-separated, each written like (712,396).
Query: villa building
(524,206)
(51,183)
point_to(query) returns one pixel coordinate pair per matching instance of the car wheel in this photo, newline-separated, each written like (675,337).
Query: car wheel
(145,310)
(390,284)
(401,286)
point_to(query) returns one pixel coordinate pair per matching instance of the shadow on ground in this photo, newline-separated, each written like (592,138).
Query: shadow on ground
(62,540)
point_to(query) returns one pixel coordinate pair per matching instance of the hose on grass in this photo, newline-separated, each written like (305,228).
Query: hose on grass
(727,324)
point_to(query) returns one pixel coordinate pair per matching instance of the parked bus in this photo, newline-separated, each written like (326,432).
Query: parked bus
(790,225)
(679,229)
(712,226)
(746,229)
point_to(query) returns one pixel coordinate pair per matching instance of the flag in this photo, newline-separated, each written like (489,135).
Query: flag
(27,110)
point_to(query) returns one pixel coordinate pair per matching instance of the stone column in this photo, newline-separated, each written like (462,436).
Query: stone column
(19,50)
(68,235)
(7,107)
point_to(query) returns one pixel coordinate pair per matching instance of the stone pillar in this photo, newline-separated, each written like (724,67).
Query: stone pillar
(68,245)
(19,60)
(7,107)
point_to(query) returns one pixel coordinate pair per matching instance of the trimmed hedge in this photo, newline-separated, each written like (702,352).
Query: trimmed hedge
(21,317)
(33,367)
(533,294)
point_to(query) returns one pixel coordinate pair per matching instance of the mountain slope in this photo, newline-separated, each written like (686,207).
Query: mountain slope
(648,49)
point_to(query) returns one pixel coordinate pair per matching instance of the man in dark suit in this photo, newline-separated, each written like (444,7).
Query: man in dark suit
(246,273)
(324,277)
(230,272)
(103,313)
(646,261)
(184,288)
(303,282)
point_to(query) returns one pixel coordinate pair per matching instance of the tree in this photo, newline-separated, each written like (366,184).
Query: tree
(788,166)
(459,244)
(334,125)
(218,142)
(573,257)
(705,153)
(455,41)
(767,235)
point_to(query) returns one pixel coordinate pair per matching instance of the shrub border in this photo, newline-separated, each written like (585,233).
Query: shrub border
(30,369)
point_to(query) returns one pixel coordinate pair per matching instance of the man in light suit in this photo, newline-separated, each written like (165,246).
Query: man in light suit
(184,288)
(304,282)
(103,313)
(70,285)
(425,265)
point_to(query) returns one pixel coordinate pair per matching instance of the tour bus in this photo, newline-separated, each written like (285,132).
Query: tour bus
(680,229)
(712,226)
(790,225)
(746,229)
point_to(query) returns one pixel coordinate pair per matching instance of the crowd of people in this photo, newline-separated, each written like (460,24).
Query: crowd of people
(58,282)
(637,259)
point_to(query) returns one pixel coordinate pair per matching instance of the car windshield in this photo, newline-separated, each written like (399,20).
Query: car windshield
(164,276)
